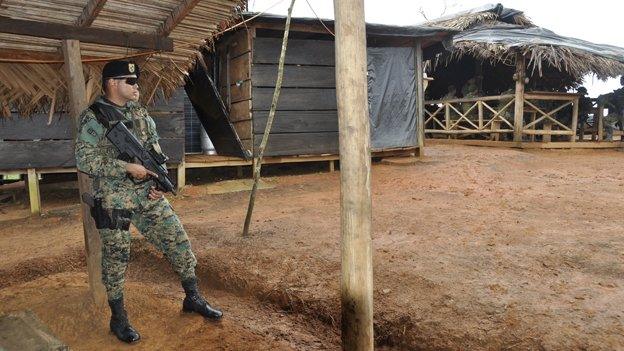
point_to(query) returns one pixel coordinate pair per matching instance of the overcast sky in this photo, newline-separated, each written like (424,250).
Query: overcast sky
(598,21)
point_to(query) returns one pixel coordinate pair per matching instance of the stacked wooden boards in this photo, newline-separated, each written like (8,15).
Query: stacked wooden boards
(30,142)
(306,121)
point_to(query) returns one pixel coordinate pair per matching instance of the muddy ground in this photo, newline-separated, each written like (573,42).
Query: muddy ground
(474,248)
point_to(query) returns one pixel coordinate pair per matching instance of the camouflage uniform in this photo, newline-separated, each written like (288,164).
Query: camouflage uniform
(614,101)
(127,201)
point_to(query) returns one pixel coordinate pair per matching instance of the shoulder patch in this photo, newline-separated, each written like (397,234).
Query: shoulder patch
(91,132)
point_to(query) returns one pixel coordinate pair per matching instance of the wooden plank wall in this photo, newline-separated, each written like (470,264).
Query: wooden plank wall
(306,121)
(234,57)
(32,143)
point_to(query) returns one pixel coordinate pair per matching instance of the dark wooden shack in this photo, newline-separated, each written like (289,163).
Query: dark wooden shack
(243,66)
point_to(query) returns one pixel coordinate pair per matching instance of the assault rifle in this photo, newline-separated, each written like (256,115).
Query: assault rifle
(130,148)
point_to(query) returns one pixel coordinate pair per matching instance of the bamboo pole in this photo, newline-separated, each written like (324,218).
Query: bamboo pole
(420,98)
(77,103)
(519,104)
(355,174)
(267,130)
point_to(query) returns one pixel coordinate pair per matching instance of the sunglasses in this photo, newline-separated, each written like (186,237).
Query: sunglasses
(128,80)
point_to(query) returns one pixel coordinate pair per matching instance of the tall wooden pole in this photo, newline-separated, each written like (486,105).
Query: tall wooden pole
(77,103)
(420,99)
(257,165)
(355,174)
(519,103)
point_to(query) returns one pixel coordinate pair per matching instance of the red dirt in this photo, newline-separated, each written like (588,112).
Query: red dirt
(474,248)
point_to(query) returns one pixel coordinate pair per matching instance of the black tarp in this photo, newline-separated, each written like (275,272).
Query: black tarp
(391,97)
(504,14)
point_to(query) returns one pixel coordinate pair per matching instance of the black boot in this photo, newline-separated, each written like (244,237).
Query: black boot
(119,323)
(194,302)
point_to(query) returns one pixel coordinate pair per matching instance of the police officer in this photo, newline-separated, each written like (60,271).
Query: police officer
(127,195)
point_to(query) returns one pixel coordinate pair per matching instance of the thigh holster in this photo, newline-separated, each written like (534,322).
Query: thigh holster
(110,218)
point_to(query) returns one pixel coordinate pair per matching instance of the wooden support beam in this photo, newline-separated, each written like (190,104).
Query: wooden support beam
(575,112)
(355,175)
(88,35)
(176,16)
(533,117)
(181,176)
(90,12)
(600,123)
(547,129)
(420,99)
(332,166)
(77,103)
(519,103)
(480,111)
(33,192)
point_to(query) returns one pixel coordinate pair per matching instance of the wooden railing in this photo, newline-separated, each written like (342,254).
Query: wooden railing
(494,115)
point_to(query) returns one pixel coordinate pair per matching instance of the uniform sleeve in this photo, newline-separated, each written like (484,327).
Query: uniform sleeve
(91,158)
(152,134)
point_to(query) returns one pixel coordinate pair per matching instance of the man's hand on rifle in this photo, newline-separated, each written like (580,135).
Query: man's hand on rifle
(139,172)
(155,194)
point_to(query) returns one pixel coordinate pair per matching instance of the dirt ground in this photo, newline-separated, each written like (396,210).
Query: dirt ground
(474,249)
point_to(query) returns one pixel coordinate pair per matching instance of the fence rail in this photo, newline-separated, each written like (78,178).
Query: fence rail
(544,114)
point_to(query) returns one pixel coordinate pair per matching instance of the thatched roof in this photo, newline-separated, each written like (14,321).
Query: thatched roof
(31,74)
(496,34)
(482,15)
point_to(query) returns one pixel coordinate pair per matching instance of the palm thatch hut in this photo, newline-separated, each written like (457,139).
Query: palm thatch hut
(161,35)
(512,80)
(51,56)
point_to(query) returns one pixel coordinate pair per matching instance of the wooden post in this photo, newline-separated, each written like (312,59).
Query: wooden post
(77,103)
(181,175)
(546,138)
(533,117)
(519,103)
(420,99)
(495,125)
(331,166)
(33,192)
(600,130)
(228,88)
(575,112)
(355,173)
(447,118)
(480,110)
